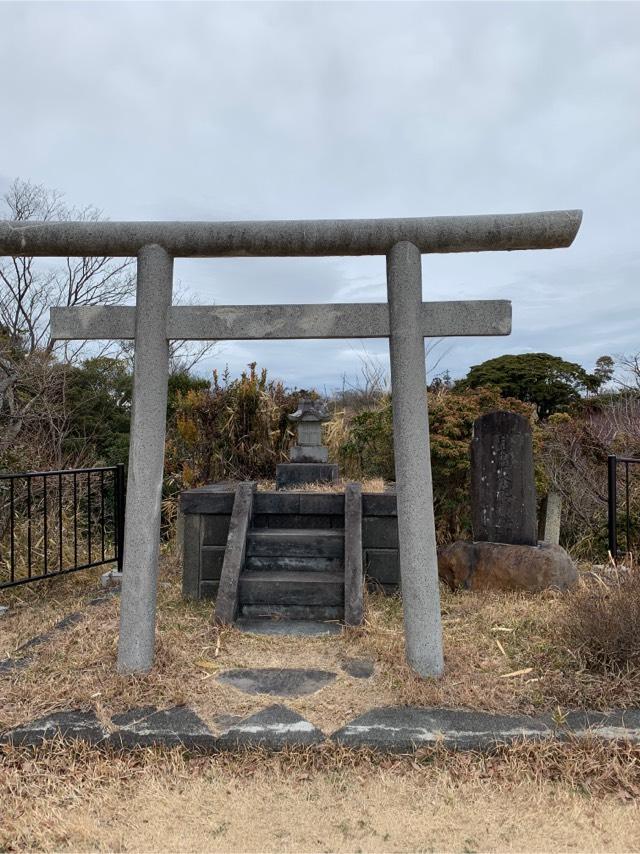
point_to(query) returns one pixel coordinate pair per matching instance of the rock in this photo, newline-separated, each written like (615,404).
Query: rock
(501,566)
(359,668)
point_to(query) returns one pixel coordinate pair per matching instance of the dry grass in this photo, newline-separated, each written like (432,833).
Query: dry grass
(578,796)
(602,619)
(486,636)
(372,484)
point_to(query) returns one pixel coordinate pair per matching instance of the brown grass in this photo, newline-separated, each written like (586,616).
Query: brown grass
(372,484)
(486,636)
(601,621)
(577,796)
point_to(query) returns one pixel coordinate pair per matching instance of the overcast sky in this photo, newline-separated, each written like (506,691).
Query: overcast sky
(313,110)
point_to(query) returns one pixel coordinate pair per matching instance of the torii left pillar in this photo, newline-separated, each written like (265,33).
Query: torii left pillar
(146,461)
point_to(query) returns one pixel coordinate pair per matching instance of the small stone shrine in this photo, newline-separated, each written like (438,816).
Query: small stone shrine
(505,553)
(308,457)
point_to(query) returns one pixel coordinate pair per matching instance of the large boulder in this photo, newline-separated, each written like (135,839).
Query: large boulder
(502,566)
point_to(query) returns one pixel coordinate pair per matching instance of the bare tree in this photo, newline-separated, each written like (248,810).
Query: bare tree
(629,374)
(30,387)
(31,286)
(373,382)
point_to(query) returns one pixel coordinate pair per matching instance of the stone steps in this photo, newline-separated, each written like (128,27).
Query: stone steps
(291,542)
(277,563)
(273,587)
(293,574)
(321,613)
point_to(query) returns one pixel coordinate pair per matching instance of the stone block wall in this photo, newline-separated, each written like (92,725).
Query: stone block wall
(207,511)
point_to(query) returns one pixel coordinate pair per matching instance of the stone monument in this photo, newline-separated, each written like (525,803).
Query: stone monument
(505,553)
(309,458)
(503,489)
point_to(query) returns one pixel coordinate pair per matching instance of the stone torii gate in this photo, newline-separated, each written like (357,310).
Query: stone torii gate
(405,320)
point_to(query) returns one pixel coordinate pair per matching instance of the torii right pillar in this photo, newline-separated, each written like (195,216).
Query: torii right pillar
(416,526)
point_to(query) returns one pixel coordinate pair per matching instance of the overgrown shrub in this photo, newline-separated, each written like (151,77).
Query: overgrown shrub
(366,448)
(234,430)
(601,620)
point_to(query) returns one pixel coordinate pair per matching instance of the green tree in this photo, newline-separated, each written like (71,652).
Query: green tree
(548,382)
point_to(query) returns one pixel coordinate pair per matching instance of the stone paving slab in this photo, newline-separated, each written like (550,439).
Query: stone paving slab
(283,682)
(390,730)
(272,728)
(147,726)
(405,729)
(359,668)
(71,724)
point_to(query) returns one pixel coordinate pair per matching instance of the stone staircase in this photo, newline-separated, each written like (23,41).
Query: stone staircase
(295,573)
(292,566)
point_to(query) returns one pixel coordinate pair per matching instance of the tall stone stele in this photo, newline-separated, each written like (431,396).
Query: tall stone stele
(505,553)
(503,489)
(308,457)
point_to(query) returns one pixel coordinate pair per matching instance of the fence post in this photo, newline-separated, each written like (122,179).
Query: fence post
(120,503)
(612,500)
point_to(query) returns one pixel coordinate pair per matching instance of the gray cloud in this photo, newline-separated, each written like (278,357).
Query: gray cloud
(283,110)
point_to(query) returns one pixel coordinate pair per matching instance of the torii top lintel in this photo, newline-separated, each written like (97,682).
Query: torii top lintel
(485,233)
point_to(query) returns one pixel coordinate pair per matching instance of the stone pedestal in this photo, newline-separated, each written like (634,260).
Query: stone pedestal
(498,566)
(290,475)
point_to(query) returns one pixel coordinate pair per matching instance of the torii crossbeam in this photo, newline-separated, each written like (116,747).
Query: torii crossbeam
(405,320)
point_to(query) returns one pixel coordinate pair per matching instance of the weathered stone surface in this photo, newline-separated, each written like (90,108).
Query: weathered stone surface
(416,527)
(296,542)
(280,682)
(353,571)
(266,587)
(146,726)
(71,724)
(290,475)
(8,665)
(359,668)
(380,532)
(503,492)
(295,612)
(233,561)
(301,628)
(387,729)
(478,233)
(498,566)
(552,518)
(309,454)
(404,729)
(382,565)
(619,725)
(272,728)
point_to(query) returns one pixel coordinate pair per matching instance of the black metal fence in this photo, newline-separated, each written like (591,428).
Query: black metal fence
(628,525)
(56,522)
